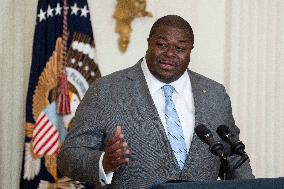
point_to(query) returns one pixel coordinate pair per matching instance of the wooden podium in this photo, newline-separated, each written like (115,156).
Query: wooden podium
(261,183)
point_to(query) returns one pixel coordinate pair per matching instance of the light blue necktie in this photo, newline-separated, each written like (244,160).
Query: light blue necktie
(175,134)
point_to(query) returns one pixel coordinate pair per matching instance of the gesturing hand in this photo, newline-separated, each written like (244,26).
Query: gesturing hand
(116,151)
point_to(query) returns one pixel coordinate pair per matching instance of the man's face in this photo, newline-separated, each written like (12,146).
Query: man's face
(168,53)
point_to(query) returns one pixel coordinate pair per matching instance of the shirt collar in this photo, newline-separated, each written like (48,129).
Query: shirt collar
(154,84)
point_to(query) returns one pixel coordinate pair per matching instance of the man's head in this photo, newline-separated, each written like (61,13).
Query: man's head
(170,43)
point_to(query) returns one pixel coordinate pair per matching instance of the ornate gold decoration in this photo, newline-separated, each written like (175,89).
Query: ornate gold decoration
(33,155)
(51,165)
(62,183)
(29,128)
(48,80)
(125,12)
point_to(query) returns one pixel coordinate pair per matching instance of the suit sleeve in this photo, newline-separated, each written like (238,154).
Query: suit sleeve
(245,171)
(81,151)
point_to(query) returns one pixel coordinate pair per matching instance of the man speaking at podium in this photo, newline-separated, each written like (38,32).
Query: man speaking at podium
(135,128)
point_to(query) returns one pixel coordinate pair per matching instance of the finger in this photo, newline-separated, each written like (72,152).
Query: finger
(119,154)
(111,148)
(117,146)
(114,141)
(118,130)
(119,162)
(126,152)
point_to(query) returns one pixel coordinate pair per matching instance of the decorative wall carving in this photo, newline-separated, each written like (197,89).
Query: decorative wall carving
(125,12)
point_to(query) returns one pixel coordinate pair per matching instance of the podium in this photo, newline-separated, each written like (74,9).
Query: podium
(261,183)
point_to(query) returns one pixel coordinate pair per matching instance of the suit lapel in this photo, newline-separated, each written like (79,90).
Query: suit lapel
(146,108)
(196,153)
(140,93)
(198,94)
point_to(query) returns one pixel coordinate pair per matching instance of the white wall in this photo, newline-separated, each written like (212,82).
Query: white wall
(206,18)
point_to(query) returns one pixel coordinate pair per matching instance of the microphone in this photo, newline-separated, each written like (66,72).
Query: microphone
(216,148)
(237,146)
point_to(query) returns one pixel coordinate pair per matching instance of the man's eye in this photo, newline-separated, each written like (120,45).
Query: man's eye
(161,45)
(179,49)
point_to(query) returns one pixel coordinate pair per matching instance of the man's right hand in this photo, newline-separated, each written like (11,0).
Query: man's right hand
(116,152)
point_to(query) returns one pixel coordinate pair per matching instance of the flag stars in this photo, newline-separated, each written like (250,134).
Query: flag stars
(84,11)
(58,9)
(49,11)
(74,9)
(41,15)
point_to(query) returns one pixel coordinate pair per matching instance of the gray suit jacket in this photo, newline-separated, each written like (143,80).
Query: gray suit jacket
(123,98)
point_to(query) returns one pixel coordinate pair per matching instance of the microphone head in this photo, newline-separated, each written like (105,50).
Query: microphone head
(237,146)
(223,131)
(205,135)
(202,132)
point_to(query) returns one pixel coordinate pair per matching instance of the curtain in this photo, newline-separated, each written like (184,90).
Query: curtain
(255,77)
(16,35)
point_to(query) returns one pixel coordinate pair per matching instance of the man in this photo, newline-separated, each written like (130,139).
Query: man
(135,128)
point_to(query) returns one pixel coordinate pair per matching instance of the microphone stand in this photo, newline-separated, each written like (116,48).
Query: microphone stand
(217,149)
(225,168)
(241,161)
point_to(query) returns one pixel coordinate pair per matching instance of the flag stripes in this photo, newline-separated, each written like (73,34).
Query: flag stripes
(45,140)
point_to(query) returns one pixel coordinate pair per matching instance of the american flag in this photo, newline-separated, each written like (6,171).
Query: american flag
(45,129)
(45,140)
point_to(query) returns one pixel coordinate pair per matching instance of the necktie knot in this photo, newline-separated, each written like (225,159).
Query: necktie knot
(168,90)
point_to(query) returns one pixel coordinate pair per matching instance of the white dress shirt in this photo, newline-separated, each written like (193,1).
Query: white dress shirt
(182,97)
(184,104)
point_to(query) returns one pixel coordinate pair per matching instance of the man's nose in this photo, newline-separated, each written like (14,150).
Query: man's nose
(170,51)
